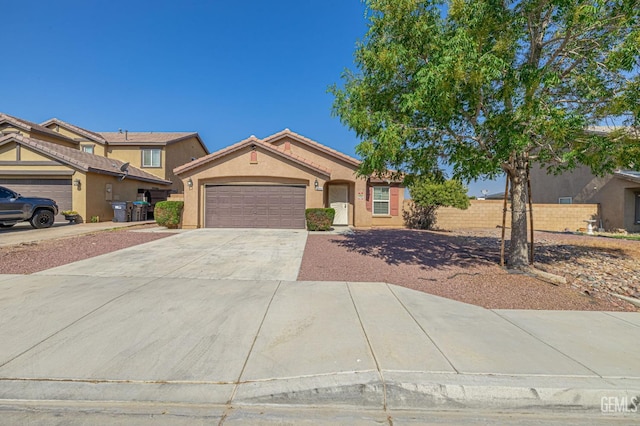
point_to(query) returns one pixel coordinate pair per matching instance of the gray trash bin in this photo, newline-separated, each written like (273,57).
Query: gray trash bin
(120,211)
(139,212)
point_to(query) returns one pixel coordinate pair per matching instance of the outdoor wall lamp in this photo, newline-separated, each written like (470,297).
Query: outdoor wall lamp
(190,183)
(76,183)
(315,184)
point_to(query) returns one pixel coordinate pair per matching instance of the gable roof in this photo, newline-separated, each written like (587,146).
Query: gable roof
(82,160)
(630,175)
(147,138)
(268,144)
(253,141)
(127,138)
(84,132)
(28,126)
(311,143)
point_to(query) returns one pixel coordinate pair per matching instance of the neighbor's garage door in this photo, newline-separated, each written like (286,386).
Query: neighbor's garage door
(255,206)
(56,189)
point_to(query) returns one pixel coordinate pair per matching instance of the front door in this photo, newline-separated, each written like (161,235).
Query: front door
(339,201)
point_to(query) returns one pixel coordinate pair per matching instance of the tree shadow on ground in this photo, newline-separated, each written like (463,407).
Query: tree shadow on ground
(426,249)
(435,250)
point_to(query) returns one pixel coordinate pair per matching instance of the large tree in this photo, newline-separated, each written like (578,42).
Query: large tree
(487,87)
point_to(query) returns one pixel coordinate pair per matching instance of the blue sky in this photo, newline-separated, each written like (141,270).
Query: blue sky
(224,69)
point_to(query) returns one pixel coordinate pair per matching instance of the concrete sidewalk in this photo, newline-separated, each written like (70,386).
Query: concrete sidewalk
(230,343)
(23,233)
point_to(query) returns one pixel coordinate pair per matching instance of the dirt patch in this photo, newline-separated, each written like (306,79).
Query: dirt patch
(464,266)
(39,256)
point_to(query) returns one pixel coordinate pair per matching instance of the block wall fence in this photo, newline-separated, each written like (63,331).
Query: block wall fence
(488,214)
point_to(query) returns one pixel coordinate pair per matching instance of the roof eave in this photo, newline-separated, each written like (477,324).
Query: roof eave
(119,174)
(311,143)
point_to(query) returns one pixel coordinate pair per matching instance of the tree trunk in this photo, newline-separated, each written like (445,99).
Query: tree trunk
(518,250)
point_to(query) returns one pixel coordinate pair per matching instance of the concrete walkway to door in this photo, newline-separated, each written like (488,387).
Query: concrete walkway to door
(236,254)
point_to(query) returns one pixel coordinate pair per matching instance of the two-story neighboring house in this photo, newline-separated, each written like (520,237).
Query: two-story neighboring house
(618,194)
(85,170)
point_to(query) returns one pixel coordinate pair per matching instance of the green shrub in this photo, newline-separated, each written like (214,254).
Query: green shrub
(319,219)
(167,213)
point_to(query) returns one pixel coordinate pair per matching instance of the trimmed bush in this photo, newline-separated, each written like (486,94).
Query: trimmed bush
(167,213)
(319,219)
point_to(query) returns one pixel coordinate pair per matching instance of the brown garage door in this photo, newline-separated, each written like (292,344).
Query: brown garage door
(255,206)
(56,189)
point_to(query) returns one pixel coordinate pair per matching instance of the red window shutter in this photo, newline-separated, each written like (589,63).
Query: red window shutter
(369,198)
(394,200)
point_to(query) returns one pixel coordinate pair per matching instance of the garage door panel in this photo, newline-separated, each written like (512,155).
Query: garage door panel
(59,190)
(255,206)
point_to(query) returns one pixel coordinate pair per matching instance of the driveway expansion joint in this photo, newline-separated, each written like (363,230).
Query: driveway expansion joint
(72,323)
(375,358)
(544,342)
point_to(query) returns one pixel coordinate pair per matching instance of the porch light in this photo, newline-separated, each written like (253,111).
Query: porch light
(76,183)
(190,183)
(315,184)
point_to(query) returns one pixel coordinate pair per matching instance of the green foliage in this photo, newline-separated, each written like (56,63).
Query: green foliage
(167,213)
(449,193)
(69,212)
(319,219)
(488,87)
(428,195)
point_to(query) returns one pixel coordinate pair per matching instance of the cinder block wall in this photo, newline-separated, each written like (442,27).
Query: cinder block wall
(488,214)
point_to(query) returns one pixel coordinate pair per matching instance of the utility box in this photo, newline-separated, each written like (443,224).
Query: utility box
(121,212)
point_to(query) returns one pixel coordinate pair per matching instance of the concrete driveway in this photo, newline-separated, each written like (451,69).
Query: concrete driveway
(215,318)
(238,254)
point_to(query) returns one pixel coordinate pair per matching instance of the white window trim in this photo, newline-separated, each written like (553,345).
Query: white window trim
(565,199)
(151,150)
(84,148)
(387,201)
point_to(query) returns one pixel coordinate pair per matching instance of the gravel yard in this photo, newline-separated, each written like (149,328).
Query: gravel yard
(460,265)
(464,266)
(38,256)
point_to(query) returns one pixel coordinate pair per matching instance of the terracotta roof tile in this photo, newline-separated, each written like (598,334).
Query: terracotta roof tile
(29,126)
(139,138)
(244,143)
(84,132)
(83,160)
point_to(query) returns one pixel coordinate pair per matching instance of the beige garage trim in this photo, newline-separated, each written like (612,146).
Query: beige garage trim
(255,206)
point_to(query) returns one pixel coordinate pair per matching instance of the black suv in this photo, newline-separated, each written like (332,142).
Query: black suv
(14,208)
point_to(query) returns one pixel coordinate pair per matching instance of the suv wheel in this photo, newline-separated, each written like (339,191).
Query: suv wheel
(42,219)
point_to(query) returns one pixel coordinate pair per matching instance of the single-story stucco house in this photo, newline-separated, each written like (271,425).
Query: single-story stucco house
(268,183)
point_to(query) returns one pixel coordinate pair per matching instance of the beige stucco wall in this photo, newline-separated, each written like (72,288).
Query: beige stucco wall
(180,153)
(42,164)
(615,195)
(272,168)
(133,155)
(98,149)
(64,132)
(97,196)
(8,152)
(7,128)
(52,138)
